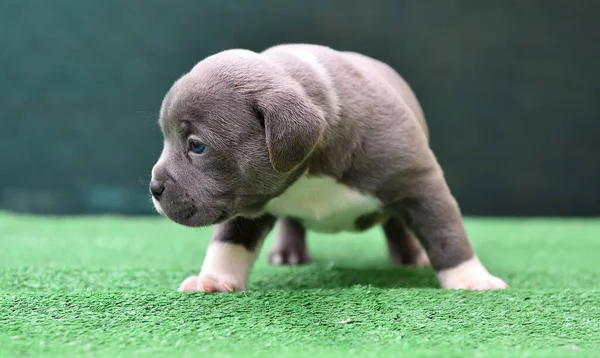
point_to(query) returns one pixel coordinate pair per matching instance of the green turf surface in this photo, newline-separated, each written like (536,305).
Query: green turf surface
(107,287)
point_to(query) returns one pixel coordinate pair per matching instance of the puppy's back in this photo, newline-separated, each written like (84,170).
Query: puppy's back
(323,57)
(388,74)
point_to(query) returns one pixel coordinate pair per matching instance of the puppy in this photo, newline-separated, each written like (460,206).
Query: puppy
(316,139)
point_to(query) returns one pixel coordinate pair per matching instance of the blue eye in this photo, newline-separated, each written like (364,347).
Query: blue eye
(197,147)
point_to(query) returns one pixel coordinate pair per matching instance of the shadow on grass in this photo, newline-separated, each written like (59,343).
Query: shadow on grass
(323,277)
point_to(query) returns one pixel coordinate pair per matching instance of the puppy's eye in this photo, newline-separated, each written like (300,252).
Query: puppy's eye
(197,147)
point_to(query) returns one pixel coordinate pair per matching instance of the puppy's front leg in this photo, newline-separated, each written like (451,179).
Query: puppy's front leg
(435,217)
(232,251)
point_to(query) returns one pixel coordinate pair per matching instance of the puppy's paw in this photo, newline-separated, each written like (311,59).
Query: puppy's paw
(281,257)
(421,259)
(470,275)
(209,283)
(416,259)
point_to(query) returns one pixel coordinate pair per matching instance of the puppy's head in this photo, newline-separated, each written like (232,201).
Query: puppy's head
(237,131)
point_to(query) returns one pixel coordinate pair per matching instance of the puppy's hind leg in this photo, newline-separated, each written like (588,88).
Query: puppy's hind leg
(437,221)
(403,246)
(290,244)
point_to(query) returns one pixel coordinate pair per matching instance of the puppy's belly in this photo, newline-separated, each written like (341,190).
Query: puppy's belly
(323,205)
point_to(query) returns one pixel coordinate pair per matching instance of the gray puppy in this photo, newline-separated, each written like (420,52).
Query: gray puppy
(316,138)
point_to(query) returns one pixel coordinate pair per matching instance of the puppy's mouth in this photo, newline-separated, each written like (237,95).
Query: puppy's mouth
(193,216)
(189,213)
(157,207)
(189,217)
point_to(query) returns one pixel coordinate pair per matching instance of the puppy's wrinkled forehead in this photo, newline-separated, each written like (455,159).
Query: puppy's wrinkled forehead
(199,104)
(187,101)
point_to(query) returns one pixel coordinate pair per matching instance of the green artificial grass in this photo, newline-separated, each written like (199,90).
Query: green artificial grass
(106,287)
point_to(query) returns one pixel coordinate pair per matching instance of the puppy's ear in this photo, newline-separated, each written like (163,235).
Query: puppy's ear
(293,126)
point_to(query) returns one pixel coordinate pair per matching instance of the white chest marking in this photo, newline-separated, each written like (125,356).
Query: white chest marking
(323,204)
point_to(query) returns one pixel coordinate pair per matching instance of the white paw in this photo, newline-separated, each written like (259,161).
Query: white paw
(470,275)
(210,283)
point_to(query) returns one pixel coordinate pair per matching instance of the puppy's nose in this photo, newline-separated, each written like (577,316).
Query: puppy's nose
(156,188)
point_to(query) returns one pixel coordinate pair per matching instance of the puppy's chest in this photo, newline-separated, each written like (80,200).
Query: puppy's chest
(324,205)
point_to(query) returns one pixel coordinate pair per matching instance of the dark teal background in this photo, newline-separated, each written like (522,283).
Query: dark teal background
(511,90)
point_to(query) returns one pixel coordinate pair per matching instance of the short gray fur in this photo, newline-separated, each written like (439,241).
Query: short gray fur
(268,118)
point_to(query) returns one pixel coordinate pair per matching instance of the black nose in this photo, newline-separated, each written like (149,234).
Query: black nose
(156,188)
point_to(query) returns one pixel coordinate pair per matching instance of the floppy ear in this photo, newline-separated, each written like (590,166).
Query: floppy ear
(293,126)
